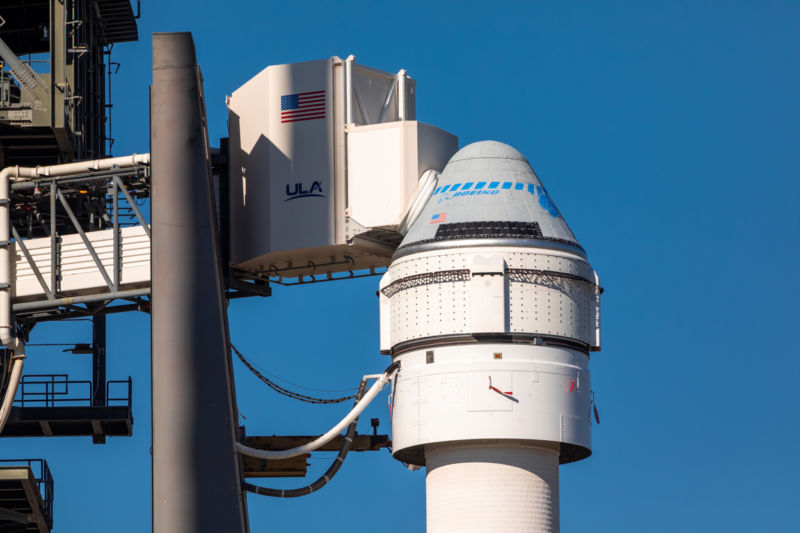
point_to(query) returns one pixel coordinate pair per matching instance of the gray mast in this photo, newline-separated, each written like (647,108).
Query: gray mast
(196,485)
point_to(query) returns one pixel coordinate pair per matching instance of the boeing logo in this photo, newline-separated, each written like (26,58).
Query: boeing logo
(299,191)
(495,187)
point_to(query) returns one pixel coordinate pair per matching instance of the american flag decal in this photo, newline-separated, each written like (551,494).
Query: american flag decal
(302,106)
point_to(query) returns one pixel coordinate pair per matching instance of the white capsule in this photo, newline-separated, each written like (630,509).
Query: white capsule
(492,309)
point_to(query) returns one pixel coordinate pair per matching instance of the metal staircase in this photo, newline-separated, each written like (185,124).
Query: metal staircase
(26,496)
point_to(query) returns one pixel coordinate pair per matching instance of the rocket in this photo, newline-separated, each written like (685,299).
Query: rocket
(492,310)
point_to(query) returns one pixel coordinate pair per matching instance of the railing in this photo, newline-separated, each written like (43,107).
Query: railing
(123,400)
(52,390)
(43,478)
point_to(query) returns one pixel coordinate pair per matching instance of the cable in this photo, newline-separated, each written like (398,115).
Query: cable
(279,378)
(284,391)
(53,344)
(324,478)
(335,430)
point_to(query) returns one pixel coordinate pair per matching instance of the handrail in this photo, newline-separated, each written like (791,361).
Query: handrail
(53,390)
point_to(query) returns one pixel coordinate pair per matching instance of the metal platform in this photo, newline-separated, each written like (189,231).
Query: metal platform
(53,406)
(26,496)
(118,21)
(297,466)
(23,144)
(26,18)
(24,22)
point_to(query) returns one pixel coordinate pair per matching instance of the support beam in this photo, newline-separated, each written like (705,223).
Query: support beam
(196,484)
(296,466)
(98,372)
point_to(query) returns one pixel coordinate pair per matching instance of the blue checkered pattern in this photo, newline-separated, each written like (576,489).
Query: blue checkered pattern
(290,101)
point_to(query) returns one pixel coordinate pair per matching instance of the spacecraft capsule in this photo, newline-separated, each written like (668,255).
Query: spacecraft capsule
(492,309)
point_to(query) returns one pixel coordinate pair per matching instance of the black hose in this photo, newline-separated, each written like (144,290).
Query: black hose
(284,391)
(329,473)
(5,354)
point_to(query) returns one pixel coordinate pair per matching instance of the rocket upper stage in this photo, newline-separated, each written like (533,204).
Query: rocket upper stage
(487,194)
(491,308)
(490,288)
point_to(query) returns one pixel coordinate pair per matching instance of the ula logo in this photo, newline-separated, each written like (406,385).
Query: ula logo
(298,191)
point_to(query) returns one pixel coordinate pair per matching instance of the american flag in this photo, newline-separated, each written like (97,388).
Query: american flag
(438,217)
(302,106)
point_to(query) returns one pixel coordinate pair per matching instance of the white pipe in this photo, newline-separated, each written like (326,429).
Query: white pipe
(8,400)
(7,334)
(401,94)
(327,437)
(348,88)
(78,167)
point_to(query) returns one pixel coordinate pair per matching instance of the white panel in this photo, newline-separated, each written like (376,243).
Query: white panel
(300,159)
(548,385)
(430,310)
(79,273)
(533,304)
(556,307)
(248,169)
(376,164)
(282,166)
(384,164)
(406,394)
(488,294)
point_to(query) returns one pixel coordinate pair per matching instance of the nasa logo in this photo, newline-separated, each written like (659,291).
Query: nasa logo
(300,192)
(546,203)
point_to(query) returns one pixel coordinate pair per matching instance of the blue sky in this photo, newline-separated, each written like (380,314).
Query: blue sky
(667,134)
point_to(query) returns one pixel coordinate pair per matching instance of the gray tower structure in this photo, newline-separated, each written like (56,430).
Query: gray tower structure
(196,484)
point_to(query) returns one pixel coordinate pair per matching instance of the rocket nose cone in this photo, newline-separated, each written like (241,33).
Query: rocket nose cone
(488,191)
(488,150)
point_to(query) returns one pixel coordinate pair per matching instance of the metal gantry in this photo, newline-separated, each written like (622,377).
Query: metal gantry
(62,207)
(63,193)
(55,107)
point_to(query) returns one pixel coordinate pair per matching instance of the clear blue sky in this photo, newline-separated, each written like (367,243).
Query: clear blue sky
(666,132)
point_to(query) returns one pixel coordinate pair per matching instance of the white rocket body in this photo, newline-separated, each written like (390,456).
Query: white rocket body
(492,309)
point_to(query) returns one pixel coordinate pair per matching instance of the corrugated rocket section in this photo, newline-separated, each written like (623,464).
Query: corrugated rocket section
(492,309)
